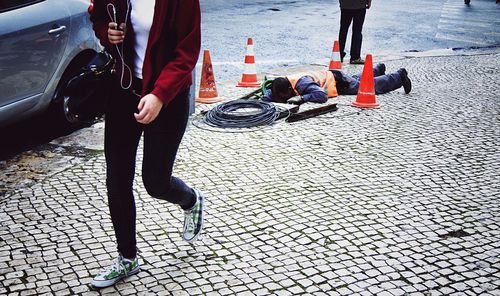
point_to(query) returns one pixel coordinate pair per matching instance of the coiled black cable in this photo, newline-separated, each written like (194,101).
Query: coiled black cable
(242,114)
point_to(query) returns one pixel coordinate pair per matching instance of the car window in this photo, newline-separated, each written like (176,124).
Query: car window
(14,4)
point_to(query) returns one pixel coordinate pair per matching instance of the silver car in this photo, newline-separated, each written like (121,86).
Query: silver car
(42,44)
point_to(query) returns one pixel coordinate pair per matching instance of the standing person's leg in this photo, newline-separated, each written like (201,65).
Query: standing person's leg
(121,138)
(357,36)
(345,21)
(162,138)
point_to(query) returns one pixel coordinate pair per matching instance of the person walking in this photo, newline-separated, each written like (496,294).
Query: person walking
(352,11)
(156,44)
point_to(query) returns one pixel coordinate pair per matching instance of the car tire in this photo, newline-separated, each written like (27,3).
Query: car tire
(59,108)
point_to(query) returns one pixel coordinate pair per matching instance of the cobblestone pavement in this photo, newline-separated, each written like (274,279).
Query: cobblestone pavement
(403,200)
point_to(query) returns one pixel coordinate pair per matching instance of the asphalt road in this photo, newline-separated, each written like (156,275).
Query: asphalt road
(302,32)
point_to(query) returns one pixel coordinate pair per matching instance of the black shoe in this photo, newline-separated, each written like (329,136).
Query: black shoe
(381,68)
(467,2)
(358,61)
(405,80)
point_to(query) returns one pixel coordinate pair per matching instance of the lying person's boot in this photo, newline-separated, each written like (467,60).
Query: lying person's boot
(405,80)
(381,68)
(358,61)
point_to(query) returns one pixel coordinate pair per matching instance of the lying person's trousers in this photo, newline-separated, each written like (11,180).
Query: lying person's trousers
(349,85)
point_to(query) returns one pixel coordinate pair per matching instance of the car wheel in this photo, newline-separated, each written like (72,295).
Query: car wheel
(68,117)
(59,108)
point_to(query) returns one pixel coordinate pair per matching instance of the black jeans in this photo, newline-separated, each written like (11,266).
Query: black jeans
(161,142)
(357,17)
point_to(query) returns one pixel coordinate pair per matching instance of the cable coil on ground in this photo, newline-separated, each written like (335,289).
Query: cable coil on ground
(242,114)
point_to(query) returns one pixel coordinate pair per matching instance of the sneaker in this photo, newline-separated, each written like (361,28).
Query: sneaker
(358,61)
(193,219)
(119,269)
(405,80)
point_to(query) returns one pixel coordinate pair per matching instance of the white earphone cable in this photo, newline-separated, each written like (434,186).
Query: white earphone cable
(119,49)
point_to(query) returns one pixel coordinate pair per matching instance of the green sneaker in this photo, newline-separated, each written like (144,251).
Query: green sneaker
(193,219)
(119,269)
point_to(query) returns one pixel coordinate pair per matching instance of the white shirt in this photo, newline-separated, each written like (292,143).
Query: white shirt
(141,17)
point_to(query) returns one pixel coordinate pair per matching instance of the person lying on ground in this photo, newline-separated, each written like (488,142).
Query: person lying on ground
(318,86)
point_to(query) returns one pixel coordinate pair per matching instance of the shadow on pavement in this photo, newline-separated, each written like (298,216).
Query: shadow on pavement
(31,133)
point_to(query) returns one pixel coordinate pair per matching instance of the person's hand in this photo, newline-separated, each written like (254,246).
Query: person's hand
(116,34)
(149,107)
(369,4)
(297,100)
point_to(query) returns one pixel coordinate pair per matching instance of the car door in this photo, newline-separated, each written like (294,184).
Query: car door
(33,36)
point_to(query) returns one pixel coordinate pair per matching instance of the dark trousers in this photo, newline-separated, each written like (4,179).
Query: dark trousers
(384,83)
(161,142)
(357,17)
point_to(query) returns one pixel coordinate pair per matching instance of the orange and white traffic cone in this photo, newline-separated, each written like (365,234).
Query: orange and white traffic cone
(208,90)
(249,78)
(366,91)
(335,63)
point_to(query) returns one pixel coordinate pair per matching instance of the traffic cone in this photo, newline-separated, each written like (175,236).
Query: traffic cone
(249,78)
(208,91)
(335,63)
(366,91)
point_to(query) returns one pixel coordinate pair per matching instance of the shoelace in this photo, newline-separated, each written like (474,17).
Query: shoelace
(117,264)
(119,48)
(113,267)
(189,221)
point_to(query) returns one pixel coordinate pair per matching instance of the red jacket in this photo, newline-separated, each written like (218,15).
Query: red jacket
(173,47)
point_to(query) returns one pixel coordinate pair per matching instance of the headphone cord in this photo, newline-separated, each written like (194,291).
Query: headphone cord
(119,49)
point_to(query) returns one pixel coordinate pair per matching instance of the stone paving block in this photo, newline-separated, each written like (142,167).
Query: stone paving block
(397,200)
